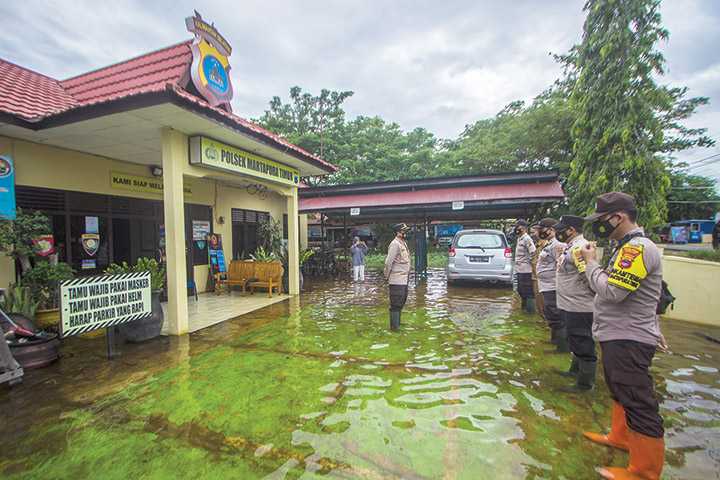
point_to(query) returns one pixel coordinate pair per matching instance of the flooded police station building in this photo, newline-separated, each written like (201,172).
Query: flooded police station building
(147,154)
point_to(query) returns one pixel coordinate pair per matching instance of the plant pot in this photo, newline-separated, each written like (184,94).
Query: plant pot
(148,328)
(49,318)
(36,353)
(286,282)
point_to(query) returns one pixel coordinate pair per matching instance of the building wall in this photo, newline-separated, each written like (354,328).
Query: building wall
(694,284)
(45,166)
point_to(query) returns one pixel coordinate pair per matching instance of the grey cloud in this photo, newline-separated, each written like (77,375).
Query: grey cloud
(439,65)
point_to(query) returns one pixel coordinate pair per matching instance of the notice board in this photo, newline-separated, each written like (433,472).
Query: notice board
(102,301)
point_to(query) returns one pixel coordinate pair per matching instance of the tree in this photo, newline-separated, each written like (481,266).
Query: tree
(689,196)
(625,121)
(519,138)
(313,122)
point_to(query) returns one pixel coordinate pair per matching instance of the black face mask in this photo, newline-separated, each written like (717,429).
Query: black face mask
(518,231)
(544,234)
(603,228)
(562,236)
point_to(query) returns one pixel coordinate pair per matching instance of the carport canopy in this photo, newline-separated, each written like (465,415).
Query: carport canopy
(472,197)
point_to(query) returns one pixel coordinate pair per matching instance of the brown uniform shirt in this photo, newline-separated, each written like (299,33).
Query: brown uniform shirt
(397,263)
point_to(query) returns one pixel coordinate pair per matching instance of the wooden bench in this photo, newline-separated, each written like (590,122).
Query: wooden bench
(239,273)
(267,275)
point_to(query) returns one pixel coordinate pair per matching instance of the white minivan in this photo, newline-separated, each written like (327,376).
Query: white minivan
(480,255)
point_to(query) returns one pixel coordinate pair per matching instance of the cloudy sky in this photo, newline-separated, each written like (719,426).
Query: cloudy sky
(439,65)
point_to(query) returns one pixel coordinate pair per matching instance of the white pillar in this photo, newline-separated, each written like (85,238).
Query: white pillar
(174,156)
(293,243)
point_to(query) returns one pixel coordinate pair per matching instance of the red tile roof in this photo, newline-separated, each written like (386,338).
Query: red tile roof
(33,97)
(148,72)
(30,95)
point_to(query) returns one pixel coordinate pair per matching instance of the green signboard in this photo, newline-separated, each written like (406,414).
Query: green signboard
(207,152)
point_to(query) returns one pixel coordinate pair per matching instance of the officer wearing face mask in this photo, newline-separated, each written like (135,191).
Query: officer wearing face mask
(539,244)
(575,300)
(524,250)
(547,282)
(628,292)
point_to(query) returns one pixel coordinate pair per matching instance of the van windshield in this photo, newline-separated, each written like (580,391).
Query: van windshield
(480,240)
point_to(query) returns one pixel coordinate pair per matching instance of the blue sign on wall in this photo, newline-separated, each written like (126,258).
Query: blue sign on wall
(7,188)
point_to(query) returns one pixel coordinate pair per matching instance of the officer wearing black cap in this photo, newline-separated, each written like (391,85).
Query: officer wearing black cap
(627,297)
(524,250)
(397,273)
(547,282)
(575,300)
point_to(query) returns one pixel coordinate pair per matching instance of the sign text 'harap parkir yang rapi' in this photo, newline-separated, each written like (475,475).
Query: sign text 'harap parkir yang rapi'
(207,152)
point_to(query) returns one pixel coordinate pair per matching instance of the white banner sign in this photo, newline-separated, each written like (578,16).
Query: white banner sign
(354,212)
(90,303)
(458,205)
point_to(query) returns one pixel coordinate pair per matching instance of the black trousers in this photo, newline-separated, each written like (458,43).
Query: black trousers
(579,331)
(398,297)
(525,285)
(550,310)
(626,364)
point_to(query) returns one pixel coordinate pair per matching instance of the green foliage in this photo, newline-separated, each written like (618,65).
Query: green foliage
(43,282)
(19,299)
(262,255)
(692,189)
(622,114)
(366,149)
(16,236)
(143,264)
(709,255)
(270,236)
(305,256)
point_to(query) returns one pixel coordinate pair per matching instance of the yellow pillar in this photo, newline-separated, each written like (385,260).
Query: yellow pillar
(174,156)
(293,243)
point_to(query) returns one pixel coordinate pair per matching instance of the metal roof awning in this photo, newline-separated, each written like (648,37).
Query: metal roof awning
(477,197)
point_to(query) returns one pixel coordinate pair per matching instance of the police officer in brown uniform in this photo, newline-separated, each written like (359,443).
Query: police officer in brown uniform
(626,324)
(539,244)
(547,282)
(575,300)
(397,273)
(524,250)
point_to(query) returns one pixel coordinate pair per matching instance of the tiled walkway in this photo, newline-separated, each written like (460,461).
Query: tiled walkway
(211,309)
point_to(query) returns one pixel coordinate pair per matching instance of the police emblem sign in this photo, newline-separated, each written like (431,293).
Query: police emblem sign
(210,69)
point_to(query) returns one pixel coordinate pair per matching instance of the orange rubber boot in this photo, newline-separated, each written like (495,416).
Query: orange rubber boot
(647,456)
(618,436)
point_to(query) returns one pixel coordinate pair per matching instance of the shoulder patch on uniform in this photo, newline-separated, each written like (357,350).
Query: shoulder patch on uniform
(578,259)
(629,268)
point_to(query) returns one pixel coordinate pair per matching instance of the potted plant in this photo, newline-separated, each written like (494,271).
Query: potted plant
(16,236)
(304,257)
(145,329)
(43,281)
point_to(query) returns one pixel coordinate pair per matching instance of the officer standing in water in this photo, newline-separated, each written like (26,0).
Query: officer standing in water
(397,273)
(547,284)
(524,250)
(540,244)
(626,324)
(575,301)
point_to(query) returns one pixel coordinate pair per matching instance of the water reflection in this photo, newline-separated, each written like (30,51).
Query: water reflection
(318,386)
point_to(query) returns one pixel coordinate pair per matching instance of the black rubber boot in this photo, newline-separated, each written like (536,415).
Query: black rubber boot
(586,375)
(562,341)
(574,369)
(530,305)
(394,320)
(553,335)
(585,378)
(523,303)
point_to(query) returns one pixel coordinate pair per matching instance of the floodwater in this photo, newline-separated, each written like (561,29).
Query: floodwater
(318,388)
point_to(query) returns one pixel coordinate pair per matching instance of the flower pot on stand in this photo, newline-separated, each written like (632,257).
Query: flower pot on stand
(48,319)
(147,328)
